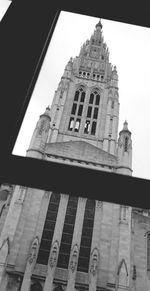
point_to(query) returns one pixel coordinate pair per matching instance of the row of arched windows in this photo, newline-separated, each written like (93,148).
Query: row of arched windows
(67,233)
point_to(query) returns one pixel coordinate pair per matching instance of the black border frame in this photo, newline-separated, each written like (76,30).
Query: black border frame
(25,33)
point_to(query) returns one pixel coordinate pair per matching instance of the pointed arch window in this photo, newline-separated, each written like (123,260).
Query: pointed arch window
(48,229)
(77,109)
(86,237)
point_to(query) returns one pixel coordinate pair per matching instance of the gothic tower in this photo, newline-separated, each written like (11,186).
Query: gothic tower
(56,241)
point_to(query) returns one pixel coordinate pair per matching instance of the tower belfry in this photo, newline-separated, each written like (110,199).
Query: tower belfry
(86,102)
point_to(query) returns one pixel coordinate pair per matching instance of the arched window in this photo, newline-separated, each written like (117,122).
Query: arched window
(86,237)
(48,230)
(77,109)
(79,93)
(148,252)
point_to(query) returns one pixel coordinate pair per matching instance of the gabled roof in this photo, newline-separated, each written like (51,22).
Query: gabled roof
(80,150)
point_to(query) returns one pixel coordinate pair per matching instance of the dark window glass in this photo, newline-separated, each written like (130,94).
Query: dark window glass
(82,96)
(93,130)
(70,219)
(76,96)
(43,257)
(90,204)
(68,228)
(74,108)
(91,98)
(88,222)
(80,110)
(71,211)
(49,225)
(112,104)
(65,248)
(82,264)
(126,144)
(84,252)
(97,100)
(66,240)
(63,261)
(72,203)
(47,234)
(89,213)
(86,238)
(55,197)
(51,215)
(95,112)
(45,244)
(87,231)
(48,230)
(89,111)
(86,241)
(53,207)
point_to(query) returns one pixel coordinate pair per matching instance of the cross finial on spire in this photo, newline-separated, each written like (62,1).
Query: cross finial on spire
(99,24)
(125,125)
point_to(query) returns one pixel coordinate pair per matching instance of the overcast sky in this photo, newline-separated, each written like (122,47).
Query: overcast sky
(129,47)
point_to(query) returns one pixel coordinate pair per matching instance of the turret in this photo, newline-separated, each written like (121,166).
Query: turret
(125,151)
(40,135)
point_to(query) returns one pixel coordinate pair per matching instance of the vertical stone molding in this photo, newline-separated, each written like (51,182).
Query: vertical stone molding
(95,256)
(122,276)
(4,251)
(30,264)
(72,268)
(124,247)
(53,257)
(93,269)
(73,262)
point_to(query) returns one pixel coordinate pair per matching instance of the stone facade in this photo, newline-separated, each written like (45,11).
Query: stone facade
(81,129)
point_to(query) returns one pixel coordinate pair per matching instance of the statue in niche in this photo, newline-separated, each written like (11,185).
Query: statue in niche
(33,250)
(94,261)
(74,258)
(54,254)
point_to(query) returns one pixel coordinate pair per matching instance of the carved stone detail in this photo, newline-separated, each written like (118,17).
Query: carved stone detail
(94,261)
(54,254)
(33,250)
(74,258)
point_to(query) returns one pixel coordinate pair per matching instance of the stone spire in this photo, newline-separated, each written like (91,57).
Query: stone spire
(99,24)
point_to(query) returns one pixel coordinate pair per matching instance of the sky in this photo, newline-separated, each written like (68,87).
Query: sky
(129,47)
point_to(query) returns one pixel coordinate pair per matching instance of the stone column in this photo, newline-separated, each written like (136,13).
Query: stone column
(53,257)
(10,226)
(105,142)
(113,136)
(124,249)
(95,254)
(73,262)
(30,264)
